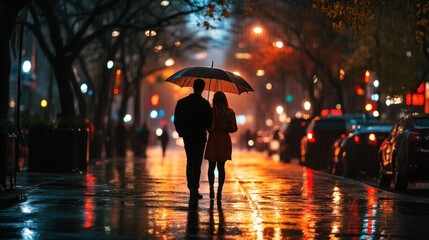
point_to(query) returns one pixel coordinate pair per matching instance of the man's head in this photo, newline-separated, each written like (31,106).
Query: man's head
(199,85)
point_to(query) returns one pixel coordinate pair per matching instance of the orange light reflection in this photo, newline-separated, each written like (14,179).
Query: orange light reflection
(89,206)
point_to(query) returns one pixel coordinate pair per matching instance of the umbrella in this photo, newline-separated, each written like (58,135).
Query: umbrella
(216,79)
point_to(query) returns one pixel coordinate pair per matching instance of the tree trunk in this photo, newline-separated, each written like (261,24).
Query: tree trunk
(64,88)
(81,101)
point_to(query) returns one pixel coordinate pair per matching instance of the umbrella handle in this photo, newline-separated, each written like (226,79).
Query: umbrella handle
(210,82)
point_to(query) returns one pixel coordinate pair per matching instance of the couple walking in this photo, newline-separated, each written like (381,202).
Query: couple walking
(193,117)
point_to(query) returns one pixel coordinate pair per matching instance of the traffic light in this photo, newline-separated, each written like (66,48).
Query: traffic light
(118,74)
(154,99)
(118,77)
(367,74)
(369,107)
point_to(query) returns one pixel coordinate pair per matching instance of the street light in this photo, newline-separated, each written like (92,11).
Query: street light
(279,110)
(278,44)
(307,105)
(257,30)
(110,64)
(44,103)
(260,73)
(26,66)
(169,62)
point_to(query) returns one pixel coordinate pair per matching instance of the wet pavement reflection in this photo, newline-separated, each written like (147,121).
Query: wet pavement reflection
(135,198)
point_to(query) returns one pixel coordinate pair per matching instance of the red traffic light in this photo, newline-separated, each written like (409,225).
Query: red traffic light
(154,100)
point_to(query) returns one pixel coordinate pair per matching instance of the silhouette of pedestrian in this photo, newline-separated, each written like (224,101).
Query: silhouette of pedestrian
(143,140)
(192,117)
(219,145)
(164,138)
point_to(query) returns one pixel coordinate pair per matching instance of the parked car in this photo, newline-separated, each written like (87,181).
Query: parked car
(292,135)
(316,145)
(356,154)
(404,154)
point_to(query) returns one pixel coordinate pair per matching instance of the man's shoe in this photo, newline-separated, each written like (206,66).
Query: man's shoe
(196,196)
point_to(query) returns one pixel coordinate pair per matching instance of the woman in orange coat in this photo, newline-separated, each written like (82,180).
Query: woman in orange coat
(219,146)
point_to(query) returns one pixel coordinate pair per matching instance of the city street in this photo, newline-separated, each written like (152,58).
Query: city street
(137,198)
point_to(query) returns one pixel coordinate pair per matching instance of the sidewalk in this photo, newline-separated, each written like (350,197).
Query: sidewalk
(136,198)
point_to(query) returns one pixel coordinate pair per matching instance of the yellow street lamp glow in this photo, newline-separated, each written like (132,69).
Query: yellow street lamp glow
(165,3)
(269,122)
(279,109)
(307,105)
(43,103)
(169,62)
(342,73)
(150,33)
(12,103)
(116,33)
(260,73)
(257,30)
(278,44)
(368,107)
(158,48)
(268,86)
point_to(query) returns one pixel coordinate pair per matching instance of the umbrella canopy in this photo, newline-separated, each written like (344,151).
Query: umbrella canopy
(216,79)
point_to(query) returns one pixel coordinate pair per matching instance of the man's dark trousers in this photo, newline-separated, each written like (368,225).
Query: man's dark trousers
(194,155)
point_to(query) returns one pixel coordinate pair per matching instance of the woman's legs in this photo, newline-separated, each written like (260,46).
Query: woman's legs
(221,179)
(210,174)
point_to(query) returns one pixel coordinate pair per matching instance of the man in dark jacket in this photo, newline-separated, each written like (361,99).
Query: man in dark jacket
(192,118)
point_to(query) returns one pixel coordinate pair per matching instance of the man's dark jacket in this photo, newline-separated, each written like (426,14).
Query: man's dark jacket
(192,117)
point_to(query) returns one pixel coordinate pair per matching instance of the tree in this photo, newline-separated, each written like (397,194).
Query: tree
(387,33)
(357,14)
(8,15)
(311,48)
(71,26)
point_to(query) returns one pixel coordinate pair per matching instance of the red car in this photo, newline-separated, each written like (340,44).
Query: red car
(404,154)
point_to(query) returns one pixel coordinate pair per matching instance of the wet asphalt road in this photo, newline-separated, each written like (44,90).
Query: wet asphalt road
(136,198)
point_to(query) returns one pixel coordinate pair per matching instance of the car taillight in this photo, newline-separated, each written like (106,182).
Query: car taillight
(356,139)
(310,137)
(372,139)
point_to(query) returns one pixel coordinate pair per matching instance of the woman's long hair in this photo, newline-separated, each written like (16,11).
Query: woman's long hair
(221,108)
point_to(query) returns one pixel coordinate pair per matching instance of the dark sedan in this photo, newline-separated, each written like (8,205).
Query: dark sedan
(321,133)
(404,155)
(292,135)
(356,155)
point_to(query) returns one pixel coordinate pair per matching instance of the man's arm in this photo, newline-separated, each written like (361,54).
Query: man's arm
(178,119)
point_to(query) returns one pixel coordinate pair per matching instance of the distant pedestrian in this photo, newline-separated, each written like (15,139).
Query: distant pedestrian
(219,146)
(142,140)
(192,117)
(164,139)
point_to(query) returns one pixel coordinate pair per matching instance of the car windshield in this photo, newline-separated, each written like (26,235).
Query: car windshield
(331,124)
(421,122)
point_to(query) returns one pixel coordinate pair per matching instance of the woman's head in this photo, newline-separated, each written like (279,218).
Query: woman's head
(219,100)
